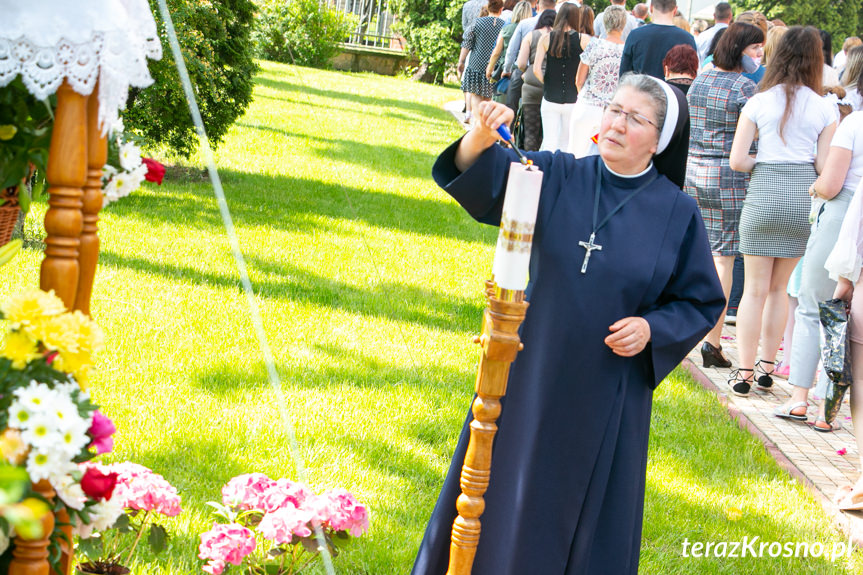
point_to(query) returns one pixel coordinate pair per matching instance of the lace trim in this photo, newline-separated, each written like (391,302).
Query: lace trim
(112,58)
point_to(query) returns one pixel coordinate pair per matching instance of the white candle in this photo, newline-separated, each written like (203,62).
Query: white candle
(512,255)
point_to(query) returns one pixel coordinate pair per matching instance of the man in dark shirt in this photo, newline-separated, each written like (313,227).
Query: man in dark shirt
(647,45)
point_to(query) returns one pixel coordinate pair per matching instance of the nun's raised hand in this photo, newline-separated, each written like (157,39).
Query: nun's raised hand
(493,115)
(629,336)
(488,117)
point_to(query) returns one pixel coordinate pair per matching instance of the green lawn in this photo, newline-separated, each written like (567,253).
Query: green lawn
(370,283)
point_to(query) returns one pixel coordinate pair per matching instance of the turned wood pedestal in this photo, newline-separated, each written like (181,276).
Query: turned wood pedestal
(500,344)
(78,152)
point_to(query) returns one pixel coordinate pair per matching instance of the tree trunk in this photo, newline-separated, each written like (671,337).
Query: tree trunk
(420,75)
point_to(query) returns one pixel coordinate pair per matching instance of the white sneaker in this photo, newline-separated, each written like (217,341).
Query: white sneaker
(731,319)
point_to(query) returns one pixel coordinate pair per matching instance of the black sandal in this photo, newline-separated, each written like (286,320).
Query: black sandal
(764,381)
(741,385)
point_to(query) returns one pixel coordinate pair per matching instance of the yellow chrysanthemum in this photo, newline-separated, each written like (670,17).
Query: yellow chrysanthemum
(78,364)
(20,348)
(56,332)
(12,447)
(90,336)
(31,306)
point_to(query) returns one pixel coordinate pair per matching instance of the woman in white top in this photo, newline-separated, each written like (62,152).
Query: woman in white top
(596,81)
(851,79)
(831,194)
(790,117)
(844,265)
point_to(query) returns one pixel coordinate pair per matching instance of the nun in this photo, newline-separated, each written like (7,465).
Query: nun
(622,286)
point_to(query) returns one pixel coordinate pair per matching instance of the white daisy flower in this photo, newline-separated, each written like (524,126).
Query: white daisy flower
(73,440)
(130,156)
(36,396)
(46,464)
(19,415)
(65,412)
(42,433)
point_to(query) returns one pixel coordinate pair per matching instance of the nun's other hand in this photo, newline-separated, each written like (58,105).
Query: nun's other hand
(493,115)
(629,336)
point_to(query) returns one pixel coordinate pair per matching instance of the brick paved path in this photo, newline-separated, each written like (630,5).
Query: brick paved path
(812,457)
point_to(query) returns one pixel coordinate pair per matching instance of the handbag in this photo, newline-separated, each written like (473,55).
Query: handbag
(518,128)
(835,355)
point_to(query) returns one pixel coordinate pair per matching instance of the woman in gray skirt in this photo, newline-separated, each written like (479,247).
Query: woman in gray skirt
(791,118)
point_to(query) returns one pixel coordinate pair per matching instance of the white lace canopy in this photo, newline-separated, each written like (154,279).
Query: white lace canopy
(48,41)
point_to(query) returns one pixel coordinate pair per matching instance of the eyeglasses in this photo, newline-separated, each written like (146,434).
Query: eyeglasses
(633,119)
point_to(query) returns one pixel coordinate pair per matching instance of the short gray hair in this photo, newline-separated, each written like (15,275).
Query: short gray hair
(614,18)
(650,88)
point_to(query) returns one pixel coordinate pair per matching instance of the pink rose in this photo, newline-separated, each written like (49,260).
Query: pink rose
(101,430)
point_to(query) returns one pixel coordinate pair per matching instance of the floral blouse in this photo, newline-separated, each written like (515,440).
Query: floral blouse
(603,57)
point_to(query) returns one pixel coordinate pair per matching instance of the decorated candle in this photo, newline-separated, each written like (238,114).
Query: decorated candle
(512,255)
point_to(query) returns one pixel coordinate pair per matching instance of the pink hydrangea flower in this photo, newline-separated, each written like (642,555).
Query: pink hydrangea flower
(282,493)
(345,512)
(145,490)
(247,491)
(225,544)
(283,523)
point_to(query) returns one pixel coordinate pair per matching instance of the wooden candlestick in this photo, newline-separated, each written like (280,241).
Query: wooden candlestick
(500,344)
(67,174)
(30,556)
(97,155)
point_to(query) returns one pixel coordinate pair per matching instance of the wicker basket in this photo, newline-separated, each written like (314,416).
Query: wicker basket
(9,211)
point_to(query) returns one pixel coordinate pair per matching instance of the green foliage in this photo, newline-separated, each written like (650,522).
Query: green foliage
(838,17)
(215,40)
(301,31)
(433,31)
(25,137)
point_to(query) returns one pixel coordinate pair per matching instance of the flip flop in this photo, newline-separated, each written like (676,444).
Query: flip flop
(835,426)
(784,411)
(851,502)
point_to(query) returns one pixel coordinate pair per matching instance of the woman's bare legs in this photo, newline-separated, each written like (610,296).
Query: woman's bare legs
(763,308)
(725,269)
(776,308)
(475,100)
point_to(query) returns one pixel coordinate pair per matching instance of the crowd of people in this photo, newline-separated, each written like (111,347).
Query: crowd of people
(773,158)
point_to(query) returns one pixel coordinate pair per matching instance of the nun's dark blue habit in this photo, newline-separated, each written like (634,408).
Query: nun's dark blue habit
(568,471)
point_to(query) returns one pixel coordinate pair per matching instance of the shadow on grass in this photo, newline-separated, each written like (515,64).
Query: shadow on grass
(389,300)
(396,160)
(301,205)
(441,121)
(370,100)
(447,390)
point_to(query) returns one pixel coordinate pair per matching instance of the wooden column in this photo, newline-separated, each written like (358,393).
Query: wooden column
(97,155)
(67,174)
(500,344)
(30,557)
